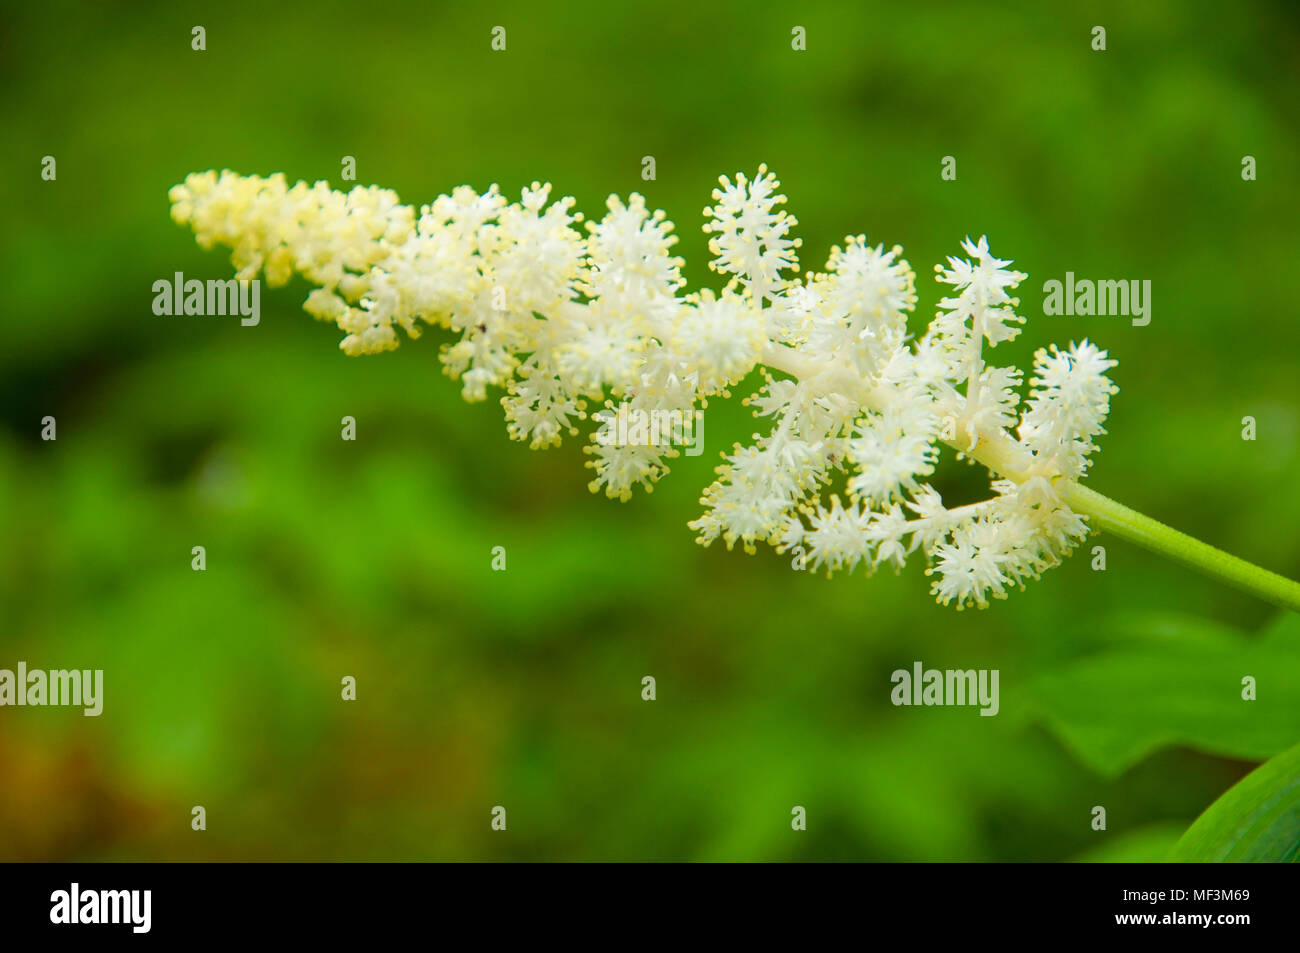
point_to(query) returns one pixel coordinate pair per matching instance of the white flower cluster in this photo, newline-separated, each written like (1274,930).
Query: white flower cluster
(557,318)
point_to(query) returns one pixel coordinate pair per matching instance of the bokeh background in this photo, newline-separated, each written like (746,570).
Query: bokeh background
(372,559)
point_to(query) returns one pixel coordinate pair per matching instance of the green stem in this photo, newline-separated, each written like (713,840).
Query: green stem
(1107,515)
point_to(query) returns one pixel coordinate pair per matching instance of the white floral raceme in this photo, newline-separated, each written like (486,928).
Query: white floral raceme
(558,318)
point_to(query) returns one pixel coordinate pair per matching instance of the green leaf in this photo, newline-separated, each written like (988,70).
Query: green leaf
(1169,684)
(1258,819)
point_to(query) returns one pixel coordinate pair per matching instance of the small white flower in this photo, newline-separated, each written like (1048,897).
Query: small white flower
(751,233)
(1068,405)
(838,538)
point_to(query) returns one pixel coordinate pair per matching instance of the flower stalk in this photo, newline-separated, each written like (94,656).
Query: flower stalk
(1108,516)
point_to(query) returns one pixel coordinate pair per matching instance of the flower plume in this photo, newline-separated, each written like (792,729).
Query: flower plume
(559,313)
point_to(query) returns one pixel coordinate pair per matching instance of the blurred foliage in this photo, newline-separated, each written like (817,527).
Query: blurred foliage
(1175,681)
(522,688)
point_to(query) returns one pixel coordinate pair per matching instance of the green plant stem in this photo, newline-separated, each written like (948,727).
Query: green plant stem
(1107,515)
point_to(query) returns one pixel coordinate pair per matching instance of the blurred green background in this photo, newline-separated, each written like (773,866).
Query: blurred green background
(1119,688)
